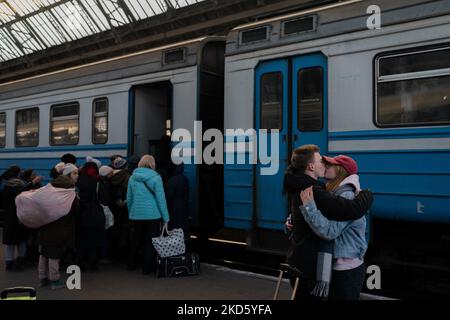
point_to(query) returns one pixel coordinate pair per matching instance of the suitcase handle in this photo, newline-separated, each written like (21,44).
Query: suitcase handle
(291,271)
(5,293)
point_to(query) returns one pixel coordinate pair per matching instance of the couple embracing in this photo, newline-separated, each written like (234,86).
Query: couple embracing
(327,224)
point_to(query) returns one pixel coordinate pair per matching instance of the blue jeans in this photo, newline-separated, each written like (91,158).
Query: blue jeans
(11,248)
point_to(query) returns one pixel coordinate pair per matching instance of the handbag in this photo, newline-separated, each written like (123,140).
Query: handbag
(109,217)
(171,245)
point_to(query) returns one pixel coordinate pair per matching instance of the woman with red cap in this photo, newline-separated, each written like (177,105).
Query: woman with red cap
(346,239)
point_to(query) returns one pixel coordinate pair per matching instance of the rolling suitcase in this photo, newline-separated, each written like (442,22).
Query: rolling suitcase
(187,264)
(292,272)
(17,293)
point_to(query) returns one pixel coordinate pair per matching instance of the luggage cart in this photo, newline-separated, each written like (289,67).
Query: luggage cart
(293,272)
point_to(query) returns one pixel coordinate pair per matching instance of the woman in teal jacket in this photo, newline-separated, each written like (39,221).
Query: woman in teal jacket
(147,207)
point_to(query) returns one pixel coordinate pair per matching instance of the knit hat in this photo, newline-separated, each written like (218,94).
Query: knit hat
(105,170)
(119,163)
(96,161)
(68,169)
(69,158)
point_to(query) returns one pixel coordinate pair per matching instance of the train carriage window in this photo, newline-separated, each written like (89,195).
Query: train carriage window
(2,129)
(272,101)
(254,35)
(65,124)
(27,128)
(100,121)
(413,88)
(310,99)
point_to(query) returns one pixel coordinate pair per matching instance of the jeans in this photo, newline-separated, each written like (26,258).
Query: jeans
(10,251)
(48,269)
(347,285)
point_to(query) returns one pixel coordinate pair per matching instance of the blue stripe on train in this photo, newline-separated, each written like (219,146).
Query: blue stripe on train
(409,186)
(400,133)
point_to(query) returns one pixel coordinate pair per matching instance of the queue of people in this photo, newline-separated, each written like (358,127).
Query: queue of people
(76,230)
(327,222)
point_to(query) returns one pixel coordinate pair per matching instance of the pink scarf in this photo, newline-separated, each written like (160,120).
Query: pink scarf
(39,207)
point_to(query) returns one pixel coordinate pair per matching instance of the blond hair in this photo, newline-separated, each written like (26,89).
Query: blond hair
(147,161)
(341,174)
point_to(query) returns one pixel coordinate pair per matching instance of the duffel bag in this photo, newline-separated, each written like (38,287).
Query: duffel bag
(187,264)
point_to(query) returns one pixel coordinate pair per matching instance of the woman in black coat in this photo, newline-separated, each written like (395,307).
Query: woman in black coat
(15,234)
(91,235)
(177,195)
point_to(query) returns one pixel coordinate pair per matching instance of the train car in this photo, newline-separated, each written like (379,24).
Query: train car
(124,105)
(326,76)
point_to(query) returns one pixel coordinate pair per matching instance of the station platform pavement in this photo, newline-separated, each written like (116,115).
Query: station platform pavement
(114,282)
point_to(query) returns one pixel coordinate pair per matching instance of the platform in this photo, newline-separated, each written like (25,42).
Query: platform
(115,282)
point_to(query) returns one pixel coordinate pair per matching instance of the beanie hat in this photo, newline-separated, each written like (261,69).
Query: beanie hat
(119,163)
(96,161)
(105,170)
(68,169)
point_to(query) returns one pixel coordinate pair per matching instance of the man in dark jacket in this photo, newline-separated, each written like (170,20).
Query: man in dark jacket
(91,235)
(177,195)
(119,232)
(15,234)
(305,170)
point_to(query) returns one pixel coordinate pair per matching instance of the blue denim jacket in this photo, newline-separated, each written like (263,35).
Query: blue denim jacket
(349,236)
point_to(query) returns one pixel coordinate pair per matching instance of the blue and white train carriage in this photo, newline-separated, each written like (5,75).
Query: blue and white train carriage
(381,96)
(122,106)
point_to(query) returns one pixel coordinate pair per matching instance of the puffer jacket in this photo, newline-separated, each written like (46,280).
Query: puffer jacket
(145,196)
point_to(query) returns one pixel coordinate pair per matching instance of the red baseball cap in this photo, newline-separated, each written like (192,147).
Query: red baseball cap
(348,163)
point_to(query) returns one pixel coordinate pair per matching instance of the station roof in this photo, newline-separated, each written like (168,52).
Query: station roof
(29,26)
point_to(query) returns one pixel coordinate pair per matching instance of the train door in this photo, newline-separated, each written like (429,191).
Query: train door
(291,97)
(271,101)
(309,101)
(150,121)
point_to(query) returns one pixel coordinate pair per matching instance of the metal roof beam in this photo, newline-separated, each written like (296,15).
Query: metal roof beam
(127,10)
(31,14)
(31,33)
(109,20)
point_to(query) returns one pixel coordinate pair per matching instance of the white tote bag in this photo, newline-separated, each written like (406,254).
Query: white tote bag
(170,245)
(109,217)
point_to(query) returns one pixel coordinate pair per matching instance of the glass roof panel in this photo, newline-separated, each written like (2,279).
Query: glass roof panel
(27,26)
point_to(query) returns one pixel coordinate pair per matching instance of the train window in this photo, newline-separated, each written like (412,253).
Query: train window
(100,121)
(174,56)
(412,89)
(272,101)
(297,26)
(2,129)
(65,124)
(254,35)
(27,128)
(310,99)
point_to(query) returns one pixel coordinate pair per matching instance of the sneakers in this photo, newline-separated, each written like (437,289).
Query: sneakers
(58,284)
